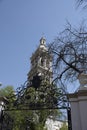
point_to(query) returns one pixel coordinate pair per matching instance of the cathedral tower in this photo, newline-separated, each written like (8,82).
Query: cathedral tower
(41,62)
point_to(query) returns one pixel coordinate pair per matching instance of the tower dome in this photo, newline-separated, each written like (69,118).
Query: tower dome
(43,43)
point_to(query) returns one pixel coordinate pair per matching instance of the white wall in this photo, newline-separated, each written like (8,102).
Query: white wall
(78,103)
(53,124)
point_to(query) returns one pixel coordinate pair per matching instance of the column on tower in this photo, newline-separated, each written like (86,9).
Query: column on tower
(39,60)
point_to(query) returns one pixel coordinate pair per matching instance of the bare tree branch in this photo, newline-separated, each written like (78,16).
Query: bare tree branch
(69,52)
(81,2)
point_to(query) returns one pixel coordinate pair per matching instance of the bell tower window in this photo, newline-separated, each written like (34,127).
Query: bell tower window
(42,62)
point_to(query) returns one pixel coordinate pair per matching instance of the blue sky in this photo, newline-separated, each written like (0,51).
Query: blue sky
(22,24)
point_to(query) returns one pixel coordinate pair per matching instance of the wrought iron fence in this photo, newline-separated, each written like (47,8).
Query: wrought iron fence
(35,95)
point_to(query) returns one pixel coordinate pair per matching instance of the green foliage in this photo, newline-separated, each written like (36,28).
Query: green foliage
(34,119)
(7,91)
(46,96)
(64,127)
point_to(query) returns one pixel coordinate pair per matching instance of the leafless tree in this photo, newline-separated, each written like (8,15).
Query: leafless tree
(82,2)
(69,51)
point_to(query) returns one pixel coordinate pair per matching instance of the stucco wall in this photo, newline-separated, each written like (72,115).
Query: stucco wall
(78,103)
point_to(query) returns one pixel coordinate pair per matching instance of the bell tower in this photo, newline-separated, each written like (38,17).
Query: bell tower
(41,62)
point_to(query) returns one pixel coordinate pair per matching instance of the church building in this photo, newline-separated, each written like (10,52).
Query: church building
(41,62)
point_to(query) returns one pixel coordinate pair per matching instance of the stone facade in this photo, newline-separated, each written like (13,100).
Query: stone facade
(41,62)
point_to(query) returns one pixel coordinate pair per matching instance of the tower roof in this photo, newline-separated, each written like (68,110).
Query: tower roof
(42,41)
